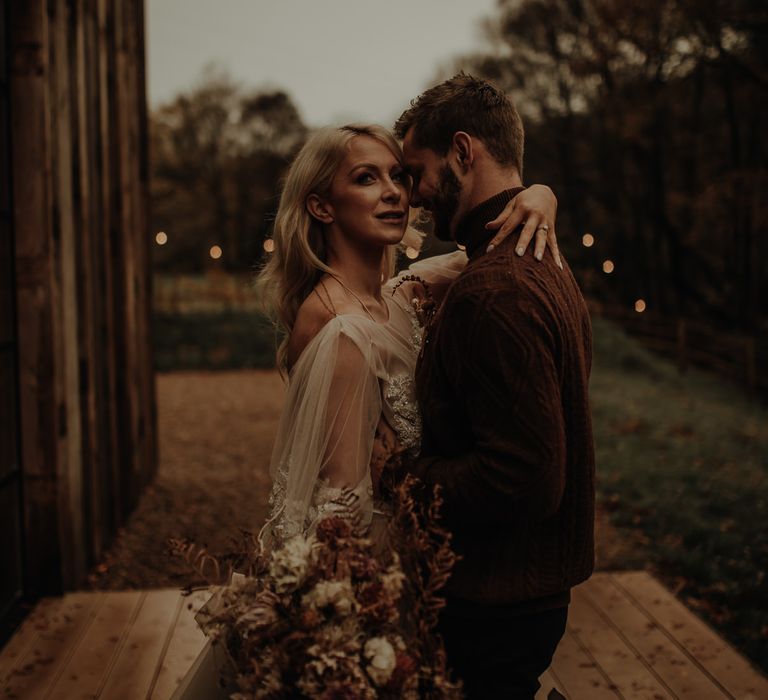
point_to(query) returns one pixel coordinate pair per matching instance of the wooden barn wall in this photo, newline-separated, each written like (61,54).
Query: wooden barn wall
(79,170)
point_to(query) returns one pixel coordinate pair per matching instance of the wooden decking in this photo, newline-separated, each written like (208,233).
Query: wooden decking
(627,637)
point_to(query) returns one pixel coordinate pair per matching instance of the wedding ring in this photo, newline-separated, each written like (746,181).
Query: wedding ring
(543,227)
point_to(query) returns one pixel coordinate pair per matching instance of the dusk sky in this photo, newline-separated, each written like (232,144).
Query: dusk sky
(340,60)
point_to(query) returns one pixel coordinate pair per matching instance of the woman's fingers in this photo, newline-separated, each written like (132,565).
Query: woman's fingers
(552,239)
(509,219)
(541,243)
(526,235)
(533,209)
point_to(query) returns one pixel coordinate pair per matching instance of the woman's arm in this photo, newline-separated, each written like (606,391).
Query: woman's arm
(535,208)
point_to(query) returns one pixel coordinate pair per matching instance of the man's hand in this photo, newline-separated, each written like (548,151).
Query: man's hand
(536,208)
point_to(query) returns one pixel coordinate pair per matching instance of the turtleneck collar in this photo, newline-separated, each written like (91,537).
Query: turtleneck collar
(471,231)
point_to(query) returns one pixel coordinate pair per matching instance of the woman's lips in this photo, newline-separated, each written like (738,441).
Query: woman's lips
(391,215)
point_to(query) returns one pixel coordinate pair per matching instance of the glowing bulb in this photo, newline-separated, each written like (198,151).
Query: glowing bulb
(608,267)
(588,240)
(215,252)
(411,253)
(161,238)
(640,306)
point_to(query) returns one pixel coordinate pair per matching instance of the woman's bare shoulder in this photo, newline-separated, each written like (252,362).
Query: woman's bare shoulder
(311,318)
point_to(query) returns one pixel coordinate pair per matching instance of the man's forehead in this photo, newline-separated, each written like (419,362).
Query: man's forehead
(415,156)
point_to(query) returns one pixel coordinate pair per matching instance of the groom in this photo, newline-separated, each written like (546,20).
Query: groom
(502,385)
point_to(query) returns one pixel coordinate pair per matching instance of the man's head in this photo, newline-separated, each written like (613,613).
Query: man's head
(461,139)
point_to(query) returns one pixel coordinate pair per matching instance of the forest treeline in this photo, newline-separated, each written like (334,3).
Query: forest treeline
(217,154)
(647,119)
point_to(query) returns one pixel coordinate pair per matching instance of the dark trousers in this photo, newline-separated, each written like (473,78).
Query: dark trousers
(501,657)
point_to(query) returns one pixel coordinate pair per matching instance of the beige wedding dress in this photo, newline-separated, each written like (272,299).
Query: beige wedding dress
(352,373)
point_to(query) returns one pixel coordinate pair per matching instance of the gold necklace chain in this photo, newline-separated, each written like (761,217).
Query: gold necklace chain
(354,296)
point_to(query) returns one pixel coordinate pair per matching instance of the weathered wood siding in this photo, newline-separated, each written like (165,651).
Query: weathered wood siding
(79,175)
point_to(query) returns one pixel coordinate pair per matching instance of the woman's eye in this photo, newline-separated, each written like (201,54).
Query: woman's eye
(364,178)
(402,177)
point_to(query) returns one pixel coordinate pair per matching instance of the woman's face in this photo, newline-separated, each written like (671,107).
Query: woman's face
(368,198)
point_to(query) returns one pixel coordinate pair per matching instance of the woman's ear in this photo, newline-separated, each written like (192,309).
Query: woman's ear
(319,209)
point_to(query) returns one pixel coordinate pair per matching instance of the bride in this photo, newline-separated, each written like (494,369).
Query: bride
(352,330)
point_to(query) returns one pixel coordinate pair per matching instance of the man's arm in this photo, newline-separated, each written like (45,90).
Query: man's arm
(500,356)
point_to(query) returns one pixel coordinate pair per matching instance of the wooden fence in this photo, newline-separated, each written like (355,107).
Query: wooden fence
(82,290)
(742,359)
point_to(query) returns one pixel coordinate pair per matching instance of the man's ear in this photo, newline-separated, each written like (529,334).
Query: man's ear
(463,149)
(319,209)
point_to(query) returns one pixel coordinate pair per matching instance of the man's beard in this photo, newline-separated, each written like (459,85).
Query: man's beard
(445,203)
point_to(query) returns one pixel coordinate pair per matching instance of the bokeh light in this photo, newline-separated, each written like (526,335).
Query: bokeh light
(161,238)
(269,245)
(640,306)
(608,267)
(588,240)
(215,252)
(411,253)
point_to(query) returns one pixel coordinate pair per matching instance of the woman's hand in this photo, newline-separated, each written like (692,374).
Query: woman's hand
(536,208)
(386,452)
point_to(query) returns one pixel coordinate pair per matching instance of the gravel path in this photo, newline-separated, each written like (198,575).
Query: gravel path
(216,433)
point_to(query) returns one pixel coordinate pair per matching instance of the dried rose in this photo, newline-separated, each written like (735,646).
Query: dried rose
(405,667)
(363,566)
(333,529)
(310,619)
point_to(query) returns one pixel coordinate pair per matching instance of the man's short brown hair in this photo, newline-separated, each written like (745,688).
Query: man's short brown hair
(465,103)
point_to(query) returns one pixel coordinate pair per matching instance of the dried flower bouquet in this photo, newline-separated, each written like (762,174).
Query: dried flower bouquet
(330,615)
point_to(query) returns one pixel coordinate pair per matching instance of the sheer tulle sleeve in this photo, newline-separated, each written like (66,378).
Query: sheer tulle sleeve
(438,272)
(325,435)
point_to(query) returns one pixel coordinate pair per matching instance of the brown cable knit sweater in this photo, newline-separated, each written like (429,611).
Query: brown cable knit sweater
(503,388)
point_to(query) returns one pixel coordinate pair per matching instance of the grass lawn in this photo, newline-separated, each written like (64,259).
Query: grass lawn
(213,341)
(682,464)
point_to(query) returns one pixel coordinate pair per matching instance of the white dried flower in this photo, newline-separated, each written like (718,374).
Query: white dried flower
(336,593)
(392,581)
(381,659)
(290,563)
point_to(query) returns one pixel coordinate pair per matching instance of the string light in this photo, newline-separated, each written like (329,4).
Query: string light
(269,245)
(640,306)
(161,238)
(588,240)
(411,253)
(215,252)
(608,267)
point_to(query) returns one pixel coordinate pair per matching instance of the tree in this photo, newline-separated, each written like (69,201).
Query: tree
(218,153)
(646,120)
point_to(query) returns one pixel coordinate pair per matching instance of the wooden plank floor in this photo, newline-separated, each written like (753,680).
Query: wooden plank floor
(627,637)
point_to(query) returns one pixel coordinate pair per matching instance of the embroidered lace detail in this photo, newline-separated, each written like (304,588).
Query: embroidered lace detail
(351,504)
(400,394)
(406,419)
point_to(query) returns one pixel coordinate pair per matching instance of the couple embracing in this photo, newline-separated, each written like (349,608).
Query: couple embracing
(488,399)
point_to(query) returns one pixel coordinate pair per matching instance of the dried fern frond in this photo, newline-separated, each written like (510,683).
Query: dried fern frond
(199,560)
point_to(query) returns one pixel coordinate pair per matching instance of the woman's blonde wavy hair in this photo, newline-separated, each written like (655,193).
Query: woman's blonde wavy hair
(299,259)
